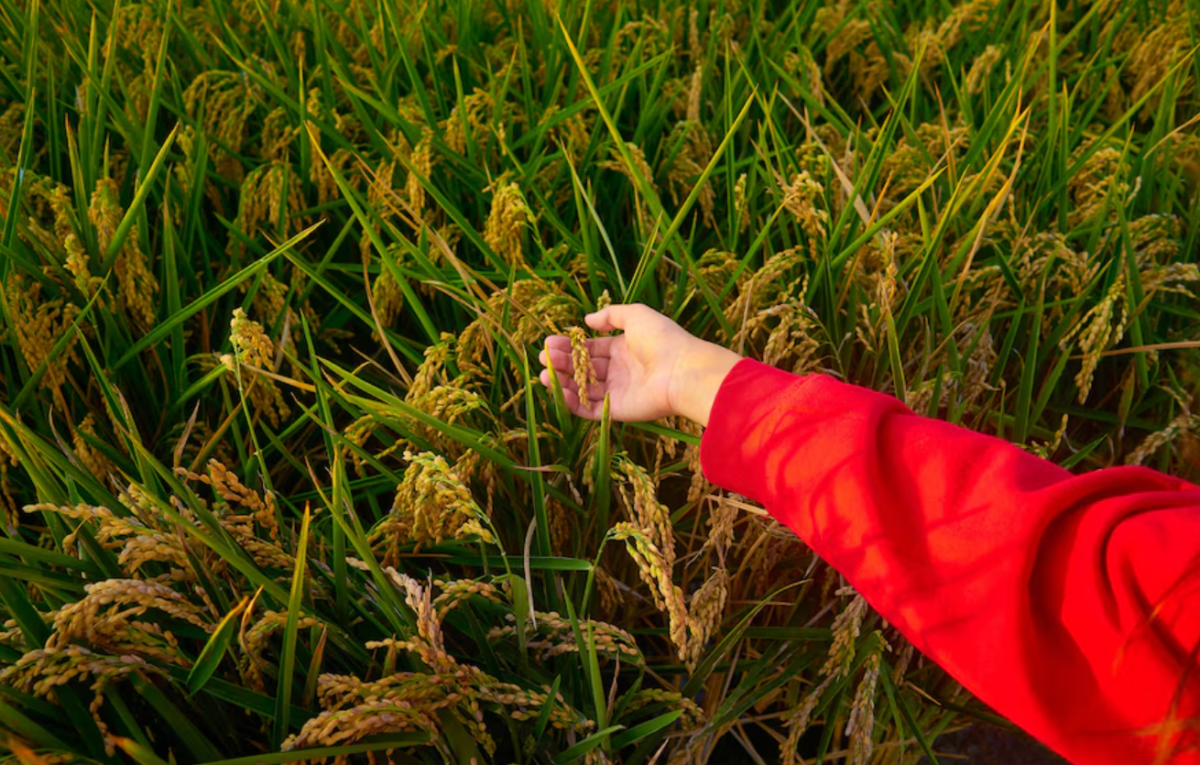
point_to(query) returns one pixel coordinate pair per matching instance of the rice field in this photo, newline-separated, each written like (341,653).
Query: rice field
(277,480)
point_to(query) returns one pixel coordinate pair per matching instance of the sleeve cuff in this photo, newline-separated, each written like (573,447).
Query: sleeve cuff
(744,417)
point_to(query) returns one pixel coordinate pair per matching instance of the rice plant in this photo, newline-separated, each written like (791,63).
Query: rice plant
(278,483)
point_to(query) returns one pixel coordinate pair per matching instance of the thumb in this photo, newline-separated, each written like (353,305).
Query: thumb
(611,317)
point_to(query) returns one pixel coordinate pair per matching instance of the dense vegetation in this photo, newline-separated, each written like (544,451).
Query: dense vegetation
(276,483)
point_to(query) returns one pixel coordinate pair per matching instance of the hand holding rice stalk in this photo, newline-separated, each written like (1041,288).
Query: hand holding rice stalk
(654,369)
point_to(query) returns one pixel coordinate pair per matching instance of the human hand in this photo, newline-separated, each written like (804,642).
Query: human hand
(654,369)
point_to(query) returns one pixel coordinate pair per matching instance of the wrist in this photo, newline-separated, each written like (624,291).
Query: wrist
(700,369)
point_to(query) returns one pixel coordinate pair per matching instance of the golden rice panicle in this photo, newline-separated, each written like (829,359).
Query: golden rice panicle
(692,714)
(832,17)
(790,329)
(432,504)
(562,524)
(77,260)
(504,229)
(611,592)
(253,507)
(252,347)
(222,102)
(1163,41)
(1047,449)
(904,657)
(138,541)
(871,69)
(846,628)
(105,213)
(655,572)
(387,297)
(581,358)
(93,460)
(422,165)
(429,645)
(38,323)
(420,600)
(456,592)
(765,286)
(796,721)
(41,671)
(269,194)
(741,205)
(534,309)
(553,309)
(478,110)
(641,166)
(1183,424)
(372,718)
(861,724)
(472,466)
(717,268)
(553,635)
(1101,183)
(250,518)
(250,341)
(340,691)
(138,285)
(448,403)
(359,433)
(322,177)
(698,486)
(253,642)
(138,30)
(1096,331)
(705,614)
(982,67)
(8,502)
(721,518)
(278,135)
(528,704)
(651,516)
(432,370)
(106,618)
(270,304)
(683,169)
(800,196)
(1156,238)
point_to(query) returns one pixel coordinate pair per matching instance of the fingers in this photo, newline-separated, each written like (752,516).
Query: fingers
(600,348)
(557,356)
(593,412)
(597,346)
(562,363)
(601,320)
(614,316)
(570,391)
(595,390)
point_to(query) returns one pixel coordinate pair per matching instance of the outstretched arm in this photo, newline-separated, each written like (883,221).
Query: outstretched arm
(1071,604)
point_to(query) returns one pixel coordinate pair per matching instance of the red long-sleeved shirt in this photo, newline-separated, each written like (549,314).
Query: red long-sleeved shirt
(1070,604)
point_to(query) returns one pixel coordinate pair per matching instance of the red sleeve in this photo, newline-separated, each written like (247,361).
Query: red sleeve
(1070,604)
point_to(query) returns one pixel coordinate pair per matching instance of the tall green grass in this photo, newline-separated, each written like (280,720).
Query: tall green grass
(988,209)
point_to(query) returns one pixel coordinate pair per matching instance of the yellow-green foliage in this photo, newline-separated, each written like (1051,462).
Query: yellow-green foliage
(268,257)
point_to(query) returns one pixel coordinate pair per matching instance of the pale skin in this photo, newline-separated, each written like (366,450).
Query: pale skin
(654,369)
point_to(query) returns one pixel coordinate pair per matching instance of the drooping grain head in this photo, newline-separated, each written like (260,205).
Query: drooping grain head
(581,359)
(504,230)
